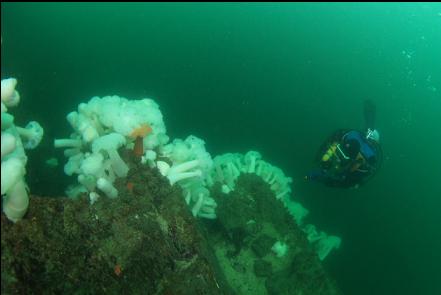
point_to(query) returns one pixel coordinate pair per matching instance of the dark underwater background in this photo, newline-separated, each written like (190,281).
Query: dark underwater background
(277,78)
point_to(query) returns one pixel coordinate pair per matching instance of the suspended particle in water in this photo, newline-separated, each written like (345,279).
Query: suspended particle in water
(408,54)
(432,88)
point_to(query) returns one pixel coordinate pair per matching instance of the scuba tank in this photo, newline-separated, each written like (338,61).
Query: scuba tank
(329,153)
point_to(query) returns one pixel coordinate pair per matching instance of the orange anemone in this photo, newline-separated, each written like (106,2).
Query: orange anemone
(138,134)
(117,270)
(130,186)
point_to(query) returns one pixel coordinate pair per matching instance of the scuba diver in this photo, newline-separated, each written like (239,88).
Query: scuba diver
(348,158)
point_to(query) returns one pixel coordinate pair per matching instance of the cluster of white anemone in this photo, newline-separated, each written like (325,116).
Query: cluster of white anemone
(101,128)
(322,242)
(190,169)
(228,167)
(104,126)
(14,140)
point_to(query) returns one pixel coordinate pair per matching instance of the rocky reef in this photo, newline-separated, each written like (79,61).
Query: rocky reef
(260,247)
(144,242)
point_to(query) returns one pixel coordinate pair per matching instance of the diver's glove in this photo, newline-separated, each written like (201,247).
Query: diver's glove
(373,134)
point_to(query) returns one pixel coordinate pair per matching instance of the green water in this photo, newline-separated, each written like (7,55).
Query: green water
(277,78)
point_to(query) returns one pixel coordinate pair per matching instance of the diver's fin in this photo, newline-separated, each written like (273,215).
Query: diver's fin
(369,114)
